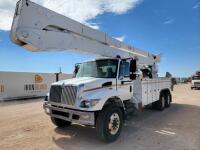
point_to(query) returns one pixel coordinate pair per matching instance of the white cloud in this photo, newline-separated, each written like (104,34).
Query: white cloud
(121,38)
(197,5)
(5,19)
(168,20)
(119,6)
(92,25)
(80,10)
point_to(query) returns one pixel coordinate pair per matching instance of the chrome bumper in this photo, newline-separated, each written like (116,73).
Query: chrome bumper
(74,116)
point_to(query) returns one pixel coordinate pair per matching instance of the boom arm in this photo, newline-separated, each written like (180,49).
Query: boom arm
(39,29)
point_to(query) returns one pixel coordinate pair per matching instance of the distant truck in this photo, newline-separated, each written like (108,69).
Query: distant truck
(195,81)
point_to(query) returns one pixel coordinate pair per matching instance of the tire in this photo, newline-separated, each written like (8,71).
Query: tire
(167,100)
(60,122)
(110,115)
(160,104)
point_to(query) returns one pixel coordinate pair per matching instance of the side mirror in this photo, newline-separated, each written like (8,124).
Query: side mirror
(133,69)
(77,66)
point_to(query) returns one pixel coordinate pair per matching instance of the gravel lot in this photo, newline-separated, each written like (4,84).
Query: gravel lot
(24,126)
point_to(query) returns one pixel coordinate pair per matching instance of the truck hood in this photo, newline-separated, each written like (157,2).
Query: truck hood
(86,82)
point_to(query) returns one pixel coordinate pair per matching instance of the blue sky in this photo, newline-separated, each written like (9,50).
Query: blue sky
(169,27)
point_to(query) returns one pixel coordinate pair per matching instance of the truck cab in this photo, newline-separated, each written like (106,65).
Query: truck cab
(95,83)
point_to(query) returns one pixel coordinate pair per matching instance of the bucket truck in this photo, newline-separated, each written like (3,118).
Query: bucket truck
(104,91)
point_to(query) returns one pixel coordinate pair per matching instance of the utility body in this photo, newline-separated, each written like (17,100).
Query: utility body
(123,79)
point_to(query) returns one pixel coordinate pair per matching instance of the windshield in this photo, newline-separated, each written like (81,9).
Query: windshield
(106,68)
(196,78)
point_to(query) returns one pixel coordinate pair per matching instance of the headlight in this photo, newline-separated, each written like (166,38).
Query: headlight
(89,103)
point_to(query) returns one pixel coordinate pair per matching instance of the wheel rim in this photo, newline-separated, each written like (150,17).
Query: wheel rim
(114,123)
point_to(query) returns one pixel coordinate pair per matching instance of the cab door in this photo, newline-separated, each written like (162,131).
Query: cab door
(125,84)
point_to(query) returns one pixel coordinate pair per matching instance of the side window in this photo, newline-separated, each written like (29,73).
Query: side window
(124,69)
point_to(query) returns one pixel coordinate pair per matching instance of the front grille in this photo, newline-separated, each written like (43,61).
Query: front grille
(69,94)
(65,95)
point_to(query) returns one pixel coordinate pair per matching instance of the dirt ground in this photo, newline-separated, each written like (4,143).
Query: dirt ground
(24,126)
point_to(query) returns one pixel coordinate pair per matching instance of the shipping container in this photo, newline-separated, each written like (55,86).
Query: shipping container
(19,85)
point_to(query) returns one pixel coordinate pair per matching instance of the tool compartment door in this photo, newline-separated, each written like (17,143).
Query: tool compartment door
(150,91)
(144,92)
(154,90)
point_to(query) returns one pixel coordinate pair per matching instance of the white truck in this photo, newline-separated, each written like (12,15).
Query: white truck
(121,80)
(195,81)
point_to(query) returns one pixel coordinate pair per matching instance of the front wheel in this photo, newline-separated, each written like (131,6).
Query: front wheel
(109,123)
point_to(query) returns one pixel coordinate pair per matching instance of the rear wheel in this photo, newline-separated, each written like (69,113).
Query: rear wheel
(60,122)
(167,100)
(160,104)
(109,123)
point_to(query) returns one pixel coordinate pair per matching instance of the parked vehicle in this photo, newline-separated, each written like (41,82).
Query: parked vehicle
(104,90)
(195,82)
